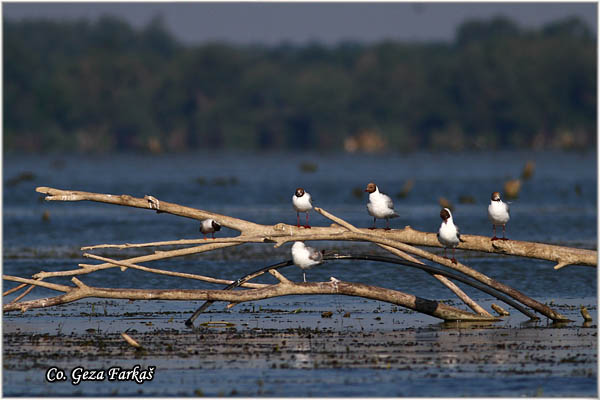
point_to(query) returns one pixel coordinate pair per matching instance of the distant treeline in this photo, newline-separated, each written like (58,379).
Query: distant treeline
(104,86)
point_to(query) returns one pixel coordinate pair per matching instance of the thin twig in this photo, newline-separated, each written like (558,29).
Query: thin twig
(25,293)
(170,273)
(160,255)
(15,289)
(37,282)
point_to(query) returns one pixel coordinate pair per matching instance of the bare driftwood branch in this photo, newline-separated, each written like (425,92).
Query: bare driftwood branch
(445,281)
(539,307)
(399,242)
(159,255)
(15,289)
(283,288)
(37,282)
(150,203)
(169,273)
(25,293)
(130,341)
(561,255)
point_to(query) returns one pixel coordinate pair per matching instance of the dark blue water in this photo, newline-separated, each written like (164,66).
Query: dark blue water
(557,205)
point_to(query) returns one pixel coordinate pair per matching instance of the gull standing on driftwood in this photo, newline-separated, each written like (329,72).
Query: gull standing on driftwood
(302,203)
(380,205)
(448,234)
(305,257)
(209,226)
(498,213)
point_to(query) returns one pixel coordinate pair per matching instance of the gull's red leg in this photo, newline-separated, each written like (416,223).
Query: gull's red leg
(307,225)
(374,222)
(504,232)
(494,238)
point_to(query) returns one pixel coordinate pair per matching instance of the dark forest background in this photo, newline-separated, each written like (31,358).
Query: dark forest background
(98,86)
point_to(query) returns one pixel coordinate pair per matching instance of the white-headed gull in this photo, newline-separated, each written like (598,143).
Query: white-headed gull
(209,226)
(380,205)
(448,234)
(499,214)
(302,203)
(305,257)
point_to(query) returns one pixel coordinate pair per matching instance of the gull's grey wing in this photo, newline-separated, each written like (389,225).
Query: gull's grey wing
(388,201)
(314,254)
(458,234)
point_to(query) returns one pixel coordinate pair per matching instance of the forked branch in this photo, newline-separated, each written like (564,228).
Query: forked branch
(400,242)
(561,255)
(283,288)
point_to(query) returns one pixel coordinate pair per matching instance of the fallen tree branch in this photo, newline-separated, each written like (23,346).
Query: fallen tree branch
(515,294)
(168,273)
(347,235)
(19,297)
(15,289)
(400,242)
(559,254)
(159,255)
(149,203)
(426,268)
(445,281)
(284,288)
(37,282)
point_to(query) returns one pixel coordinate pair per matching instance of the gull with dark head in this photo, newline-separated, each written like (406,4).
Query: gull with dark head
(209,226)
(302,203)
(498,213)
(305,257)
(380,205)
(448,234)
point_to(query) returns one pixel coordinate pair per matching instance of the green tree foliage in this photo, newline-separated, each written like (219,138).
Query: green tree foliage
(104,86)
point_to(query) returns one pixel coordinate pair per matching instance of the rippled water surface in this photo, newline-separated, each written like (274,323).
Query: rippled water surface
(557,205)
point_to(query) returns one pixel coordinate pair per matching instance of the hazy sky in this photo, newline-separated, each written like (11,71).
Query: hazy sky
(274,22)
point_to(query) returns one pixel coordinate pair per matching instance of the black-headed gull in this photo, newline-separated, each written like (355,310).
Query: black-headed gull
(380,205)
(448,234)
(499,214)
(209,226)
(302,203)
(305,257)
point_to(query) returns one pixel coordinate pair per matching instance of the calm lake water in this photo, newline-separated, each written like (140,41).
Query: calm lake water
(557,205)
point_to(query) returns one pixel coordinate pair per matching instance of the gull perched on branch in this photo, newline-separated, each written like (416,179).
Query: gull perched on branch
(498,213)
(305,257)
(209,226)
(448,234)
(380,205)
(302,203)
